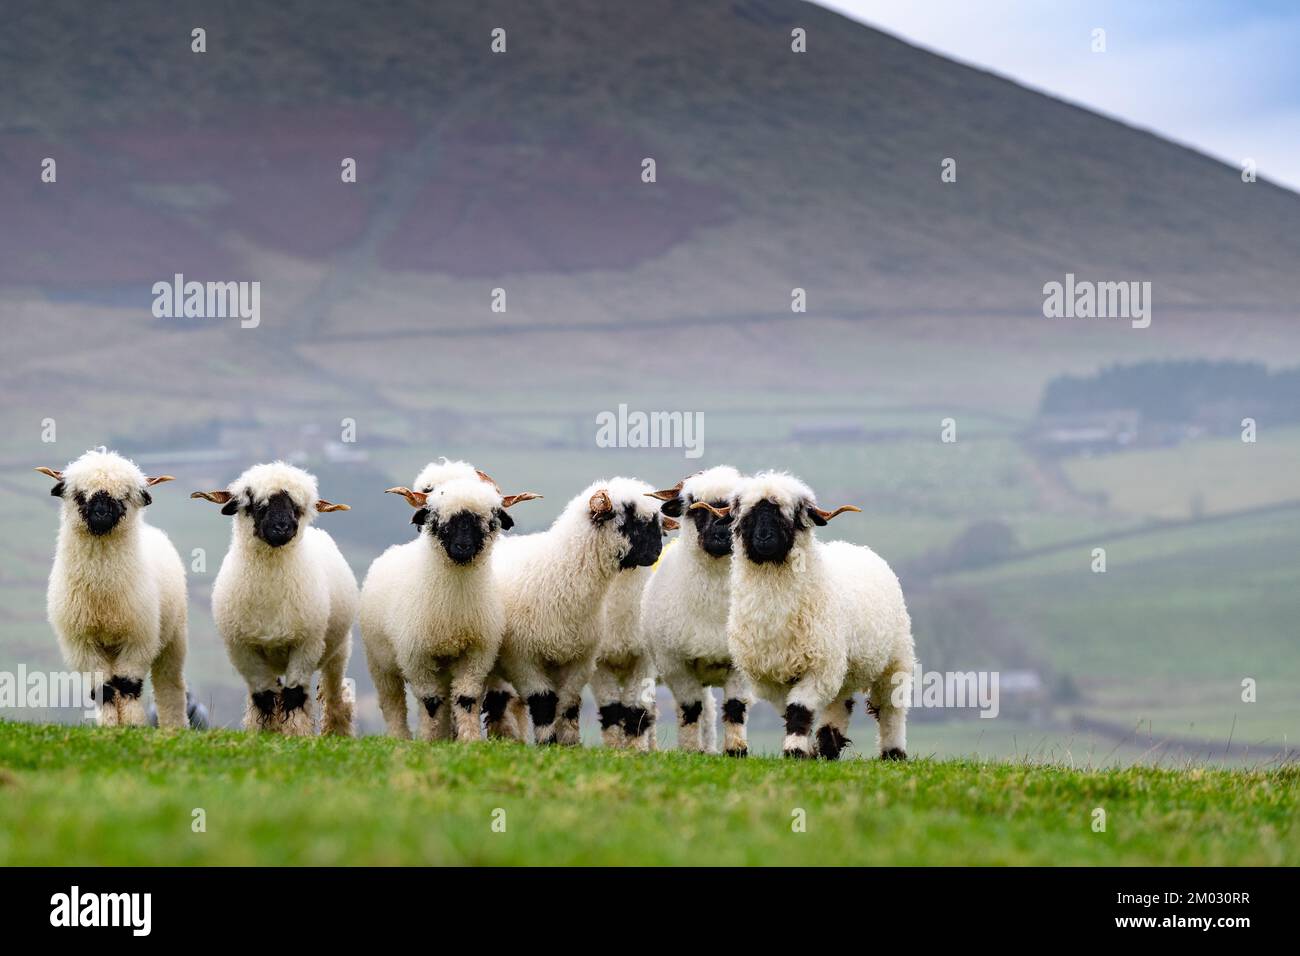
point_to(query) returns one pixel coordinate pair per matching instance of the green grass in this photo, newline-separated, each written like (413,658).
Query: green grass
(90,796)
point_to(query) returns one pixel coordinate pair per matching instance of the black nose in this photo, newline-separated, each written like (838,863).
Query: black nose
(279,533)
(461,552)
(102,513)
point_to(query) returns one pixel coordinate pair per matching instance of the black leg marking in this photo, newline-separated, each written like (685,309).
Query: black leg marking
(798,720)
(495,703)
(431,705)
(635,721)
(796,754)
(691,712)
(894,753)
(733,711)
(830,742)
(264,701)
(611,715)
(466,703)
(541,707)
(873,710)
(108,692)
(126,686)
(293,697)
(572,713)
(737,752)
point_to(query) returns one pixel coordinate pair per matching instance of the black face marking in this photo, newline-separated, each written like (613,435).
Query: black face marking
(101,512)
(541,707)
(275,520)
(462,536)
(571,713)
(431,705)
(264,701)
(466,703)
(798,720)
(894,753)
(636,721)
(830,742)
(495,703)
(767,534)
(645,535)
(713,533)
(293,698)
(733,711)
(691,712)
(611,715)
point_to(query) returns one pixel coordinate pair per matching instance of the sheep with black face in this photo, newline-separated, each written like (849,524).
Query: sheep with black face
(554,583)
(116,597)
(431,614)
(284,600)
(811,622)
(685,615)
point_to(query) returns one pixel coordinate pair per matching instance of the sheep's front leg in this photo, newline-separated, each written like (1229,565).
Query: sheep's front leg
(737,698)
(336,703)
(688,693)
(887,702)
(434,695)
(504,714)
(605,688)
(571,680)
(262,710)
(468,677)
(168,673)
(802,702)
(537,691)
(639,704)
(124,690)
(295,699)
(833,727)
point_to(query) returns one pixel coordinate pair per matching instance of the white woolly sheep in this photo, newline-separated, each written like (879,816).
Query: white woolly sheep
(623,681)
(811,622)
(116,596)
(685,613)
(431,614)
(554,583)
(284,600)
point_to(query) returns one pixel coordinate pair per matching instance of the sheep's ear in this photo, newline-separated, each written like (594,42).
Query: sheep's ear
(600,505)
(670,524)
(219,498)
(509,500)
(505,520)
(146,498)
(150,482)
(673,507)
(57,490)
(419,517)
(820,517)
(322,506)
(415,499)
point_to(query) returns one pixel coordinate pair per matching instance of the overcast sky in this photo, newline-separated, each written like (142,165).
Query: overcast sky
(1222,76)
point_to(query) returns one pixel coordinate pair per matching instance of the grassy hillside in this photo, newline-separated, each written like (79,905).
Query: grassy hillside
(128,797)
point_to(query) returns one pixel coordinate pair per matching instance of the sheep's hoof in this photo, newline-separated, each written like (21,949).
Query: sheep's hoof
(292,698)
(794,754)
(830,742)
(893,753)
(737,751)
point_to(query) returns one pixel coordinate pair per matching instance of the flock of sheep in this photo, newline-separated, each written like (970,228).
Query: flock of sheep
(497,632)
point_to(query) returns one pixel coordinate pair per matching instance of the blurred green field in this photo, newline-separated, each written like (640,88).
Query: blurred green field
(131,797)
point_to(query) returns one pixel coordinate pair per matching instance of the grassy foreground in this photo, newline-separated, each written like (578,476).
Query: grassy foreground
(77,795)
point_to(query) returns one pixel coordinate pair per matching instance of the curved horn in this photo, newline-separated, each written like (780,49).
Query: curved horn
(51,473)
(415,499)
(600,503)
(216,497)
(322,506)
(508,500)
(717,512)
(670,524)
(828,515)
(667,494)
(484,476)
(159,480)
